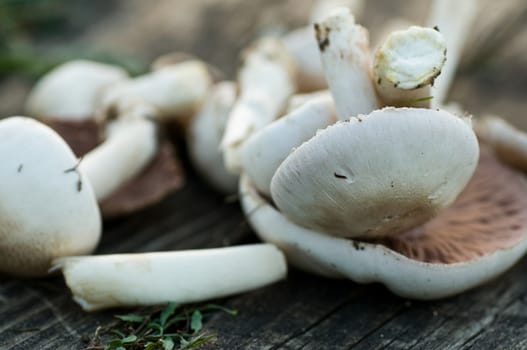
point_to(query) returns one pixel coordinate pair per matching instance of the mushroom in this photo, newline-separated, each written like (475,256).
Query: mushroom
(266,81)
(476,239)
(345,53)
(136,171)
(204,137)
(48,208)
(406,65)
(105,281)
(377,175)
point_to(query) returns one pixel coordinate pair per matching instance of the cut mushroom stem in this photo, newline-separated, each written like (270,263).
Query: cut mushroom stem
(406,65)
(509,143)
(345,51)
(131,143)
(205,134)
(266,81)
(455,26)
(263,153)
(105,281)
(176,91)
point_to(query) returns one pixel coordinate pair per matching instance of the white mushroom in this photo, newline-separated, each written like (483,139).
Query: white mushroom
(406,65)
(379,174)
(48,209)
(205,133)
(70,91)
(346,60)
(266,81)
(263,153)
(176,91)
(455,26)
(481,236)
(105,281)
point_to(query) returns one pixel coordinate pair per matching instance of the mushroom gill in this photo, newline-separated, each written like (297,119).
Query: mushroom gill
(490,214)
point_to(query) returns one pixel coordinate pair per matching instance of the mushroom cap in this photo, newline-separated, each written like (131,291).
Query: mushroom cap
(70,91)
(48,210)
(479,237)
(379,174)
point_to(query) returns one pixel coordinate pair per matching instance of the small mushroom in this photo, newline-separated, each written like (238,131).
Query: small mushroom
(377,175)
(48,207)
(266,81)
(204,137)
(344,48)
(406,64)
(105,281)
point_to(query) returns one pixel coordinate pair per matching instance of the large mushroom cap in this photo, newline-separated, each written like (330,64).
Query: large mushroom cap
(479,237)
(47,207)
(378,174)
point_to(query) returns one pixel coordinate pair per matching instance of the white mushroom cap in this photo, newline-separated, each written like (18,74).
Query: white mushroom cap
(175,90)
(378,174)
(407,63)
(205,134)
(104,281)
(47,210)
(263,153)
(70,91)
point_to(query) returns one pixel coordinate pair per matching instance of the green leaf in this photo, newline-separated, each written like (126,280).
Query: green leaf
(195,321)
(130,318)
(150,346)
(199,340)
(118,333)
(166,313)
(168,343)
(130,339)
(120,348)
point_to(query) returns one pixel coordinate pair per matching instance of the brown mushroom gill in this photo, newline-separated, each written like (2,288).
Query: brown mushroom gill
(490,214)
(163,175)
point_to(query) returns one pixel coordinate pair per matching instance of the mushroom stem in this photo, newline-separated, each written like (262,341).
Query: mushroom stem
(299,99)
(266,81)
(263,153)
(509,143)
(322,8)
(346,60)
(205,134)
(130,145)
(104,281)
(406,64)
(455,26)
(175,90)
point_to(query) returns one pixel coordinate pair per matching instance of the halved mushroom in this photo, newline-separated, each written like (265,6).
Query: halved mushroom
(48,208)
(479,237)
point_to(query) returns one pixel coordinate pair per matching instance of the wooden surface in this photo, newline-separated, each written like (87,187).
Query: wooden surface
(304,311)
